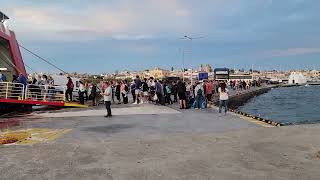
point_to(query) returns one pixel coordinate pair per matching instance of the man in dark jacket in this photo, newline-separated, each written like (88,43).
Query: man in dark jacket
(69,90)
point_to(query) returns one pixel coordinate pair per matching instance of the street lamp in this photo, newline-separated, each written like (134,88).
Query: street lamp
(185,37)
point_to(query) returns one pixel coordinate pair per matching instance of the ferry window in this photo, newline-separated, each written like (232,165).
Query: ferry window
(6,59)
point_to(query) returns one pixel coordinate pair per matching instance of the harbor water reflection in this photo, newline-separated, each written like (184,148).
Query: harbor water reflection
(287,105)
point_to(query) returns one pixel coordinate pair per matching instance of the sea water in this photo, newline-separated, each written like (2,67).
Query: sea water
(287,105)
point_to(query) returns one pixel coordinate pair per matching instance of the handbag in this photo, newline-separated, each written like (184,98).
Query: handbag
(155,97)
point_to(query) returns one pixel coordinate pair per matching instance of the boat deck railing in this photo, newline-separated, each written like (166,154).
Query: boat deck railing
(45,93)
(18,91)
(10,90)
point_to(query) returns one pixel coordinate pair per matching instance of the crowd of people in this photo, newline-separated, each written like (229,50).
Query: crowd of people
(196,95)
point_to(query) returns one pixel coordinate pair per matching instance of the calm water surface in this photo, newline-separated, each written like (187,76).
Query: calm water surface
(289,105)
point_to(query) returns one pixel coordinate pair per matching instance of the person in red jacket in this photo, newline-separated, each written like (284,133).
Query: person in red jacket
(209,88)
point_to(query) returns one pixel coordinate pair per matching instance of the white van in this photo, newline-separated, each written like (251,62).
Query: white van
(62,81)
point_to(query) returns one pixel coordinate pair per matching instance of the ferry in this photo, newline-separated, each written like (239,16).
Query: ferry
(13,95)
(11,62)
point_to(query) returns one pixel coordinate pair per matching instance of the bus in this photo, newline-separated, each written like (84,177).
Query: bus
(221,74)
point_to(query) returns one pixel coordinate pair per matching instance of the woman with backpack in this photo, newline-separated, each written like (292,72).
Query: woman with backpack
(199,94)
(168,90)
(223,97)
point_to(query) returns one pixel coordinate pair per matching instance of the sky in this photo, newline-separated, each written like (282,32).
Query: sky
(108,35)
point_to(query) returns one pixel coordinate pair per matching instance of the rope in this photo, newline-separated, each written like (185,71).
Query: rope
(41,58)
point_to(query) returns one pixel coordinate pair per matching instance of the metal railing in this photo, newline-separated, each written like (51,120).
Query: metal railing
(45,93)
(9,90)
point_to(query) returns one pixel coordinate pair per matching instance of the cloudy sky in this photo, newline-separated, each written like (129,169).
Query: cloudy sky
(107,35)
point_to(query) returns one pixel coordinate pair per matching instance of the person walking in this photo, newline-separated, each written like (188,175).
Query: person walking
(124,91)
(107,96)
(199,94)
(22,80)
(118,92)
(69,90)
(113,88)
(51,89)
(137,82)
(209,88)
(133,91)
(168,90)
(175,92)
(93,94)
(159,92)
(189,92)
(145,90)
(152,89)
(86,89)
(223,98)
(81,92)
(181,90)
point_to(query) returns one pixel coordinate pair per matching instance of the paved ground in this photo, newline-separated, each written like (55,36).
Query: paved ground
(165,144)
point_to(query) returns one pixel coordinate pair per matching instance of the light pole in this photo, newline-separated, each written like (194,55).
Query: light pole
(183,65)
(191,40)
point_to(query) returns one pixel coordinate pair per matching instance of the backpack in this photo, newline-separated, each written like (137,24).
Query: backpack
(168,89)
(199,92)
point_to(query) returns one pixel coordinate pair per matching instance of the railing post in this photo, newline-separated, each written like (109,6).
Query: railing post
(64,94)
(26,92)
(7,89)
(22,95)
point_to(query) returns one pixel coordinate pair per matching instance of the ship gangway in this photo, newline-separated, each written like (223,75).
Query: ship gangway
(34,95)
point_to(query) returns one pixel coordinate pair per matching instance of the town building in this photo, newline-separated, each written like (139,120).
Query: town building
(159,73)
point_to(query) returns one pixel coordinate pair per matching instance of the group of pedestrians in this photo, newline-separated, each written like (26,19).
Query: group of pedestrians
(195,95)
(86,91)
(244,85)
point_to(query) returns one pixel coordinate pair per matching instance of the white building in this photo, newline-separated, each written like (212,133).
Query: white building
(297,78)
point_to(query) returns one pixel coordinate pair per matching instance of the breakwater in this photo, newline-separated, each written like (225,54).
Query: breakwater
(287,105)
(240,99)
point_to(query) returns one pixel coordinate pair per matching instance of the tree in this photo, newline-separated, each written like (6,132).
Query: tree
(172,68)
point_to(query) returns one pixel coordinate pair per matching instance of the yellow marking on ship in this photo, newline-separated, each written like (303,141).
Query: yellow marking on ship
(260,123)
(36,135)
(75,105)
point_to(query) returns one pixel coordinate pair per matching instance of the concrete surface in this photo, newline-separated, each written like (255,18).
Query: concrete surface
(193,144)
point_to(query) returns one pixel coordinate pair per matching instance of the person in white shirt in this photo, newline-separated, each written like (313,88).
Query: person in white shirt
(107,96)
(223,97)
(81,92)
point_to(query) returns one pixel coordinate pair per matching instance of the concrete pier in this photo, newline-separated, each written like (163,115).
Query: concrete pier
(154,142)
